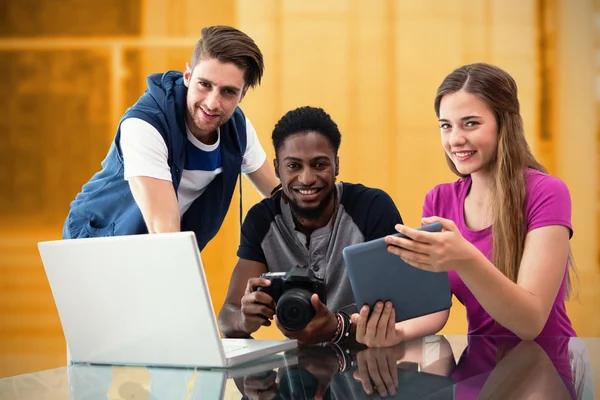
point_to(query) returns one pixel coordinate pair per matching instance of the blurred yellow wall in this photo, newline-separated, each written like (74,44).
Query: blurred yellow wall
(68,71)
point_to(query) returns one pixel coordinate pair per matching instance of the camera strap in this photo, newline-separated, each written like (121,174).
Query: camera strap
(241,207)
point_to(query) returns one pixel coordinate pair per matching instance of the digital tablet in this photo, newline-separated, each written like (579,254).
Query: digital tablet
(375,274)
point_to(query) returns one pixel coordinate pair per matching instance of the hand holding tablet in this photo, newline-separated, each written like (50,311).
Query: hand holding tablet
(377,275)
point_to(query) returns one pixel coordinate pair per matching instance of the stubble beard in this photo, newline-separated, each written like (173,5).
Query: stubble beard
(309,213)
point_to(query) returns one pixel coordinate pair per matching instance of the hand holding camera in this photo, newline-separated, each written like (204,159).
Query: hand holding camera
(300,311)
(320,329)
(257,307)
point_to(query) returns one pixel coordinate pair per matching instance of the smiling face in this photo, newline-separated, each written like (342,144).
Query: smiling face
(469,132)
(307,166)
(214,91)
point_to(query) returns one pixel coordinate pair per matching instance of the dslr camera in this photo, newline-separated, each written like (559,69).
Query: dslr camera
(291,291)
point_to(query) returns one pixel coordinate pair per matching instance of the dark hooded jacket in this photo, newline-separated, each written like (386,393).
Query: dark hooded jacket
(105,205)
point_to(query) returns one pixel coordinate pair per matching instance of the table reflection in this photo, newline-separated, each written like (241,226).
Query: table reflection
(435,367)
(488,368)
(506,367)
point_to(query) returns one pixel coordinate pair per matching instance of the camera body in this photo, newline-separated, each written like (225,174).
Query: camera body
(291,291)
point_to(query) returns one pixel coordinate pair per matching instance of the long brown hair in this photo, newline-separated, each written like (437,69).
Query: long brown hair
(509,167)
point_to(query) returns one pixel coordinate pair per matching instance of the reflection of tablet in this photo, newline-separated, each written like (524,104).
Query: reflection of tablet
(415,385)
(375,274)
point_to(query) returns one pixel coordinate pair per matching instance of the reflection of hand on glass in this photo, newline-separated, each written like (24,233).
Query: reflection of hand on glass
(322,363)
(261,386)
(525,372)
(377,368)
(310,378)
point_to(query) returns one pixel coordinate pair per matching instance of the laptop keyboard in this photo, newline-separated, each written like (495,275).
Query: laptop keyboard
(233,347)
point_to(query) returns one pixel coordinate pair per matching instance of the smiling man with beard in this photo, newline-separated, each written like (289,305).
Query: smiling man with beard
(307,222)
(179,150)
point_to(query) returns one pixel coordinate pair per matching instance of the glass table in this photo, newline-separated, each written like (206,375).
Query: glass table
(434,367)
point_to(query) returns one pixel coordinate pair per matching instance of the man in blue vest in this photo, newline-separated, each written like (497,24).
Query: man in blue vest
(180,149)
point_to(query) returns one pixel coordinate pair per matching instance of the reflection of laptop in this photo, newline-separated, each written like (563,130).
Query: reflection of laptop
(141,300)
(95,381)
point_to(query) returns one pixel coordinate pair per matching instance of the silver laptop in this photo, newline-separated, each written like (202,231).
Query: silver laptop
(141,300)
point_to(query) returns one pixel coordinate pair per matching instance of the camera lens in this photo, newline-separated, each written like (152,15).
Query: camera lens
(294,309)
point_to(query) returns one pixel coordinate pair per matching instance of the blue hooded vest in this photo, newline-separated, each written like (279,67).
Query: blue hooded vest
(105,205)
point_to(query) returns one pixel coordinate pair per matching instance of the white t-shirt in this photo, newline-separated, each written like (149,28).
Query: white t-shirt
(145,154)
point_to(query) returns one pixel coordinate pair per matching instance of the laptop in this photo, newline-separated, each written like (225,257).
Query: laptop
(375,275)
(141,300)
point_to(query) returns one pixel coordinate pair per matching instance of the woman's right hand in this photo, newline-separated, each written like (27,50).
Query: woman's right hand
(380,329)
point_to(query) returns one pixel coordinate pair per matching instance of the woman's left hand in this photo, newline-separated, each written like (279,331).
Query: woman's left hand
(433,251)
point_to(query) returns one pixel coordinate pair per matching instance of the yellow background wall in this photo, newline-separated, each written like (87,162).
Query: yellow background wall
(69,70)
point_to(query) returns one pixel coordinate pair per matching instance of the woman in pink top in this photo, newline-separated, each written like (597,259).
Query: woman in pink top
(506,222)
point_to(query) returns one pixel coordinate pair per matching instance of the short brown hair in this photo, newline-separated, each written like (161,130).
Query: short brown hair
(228,44)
